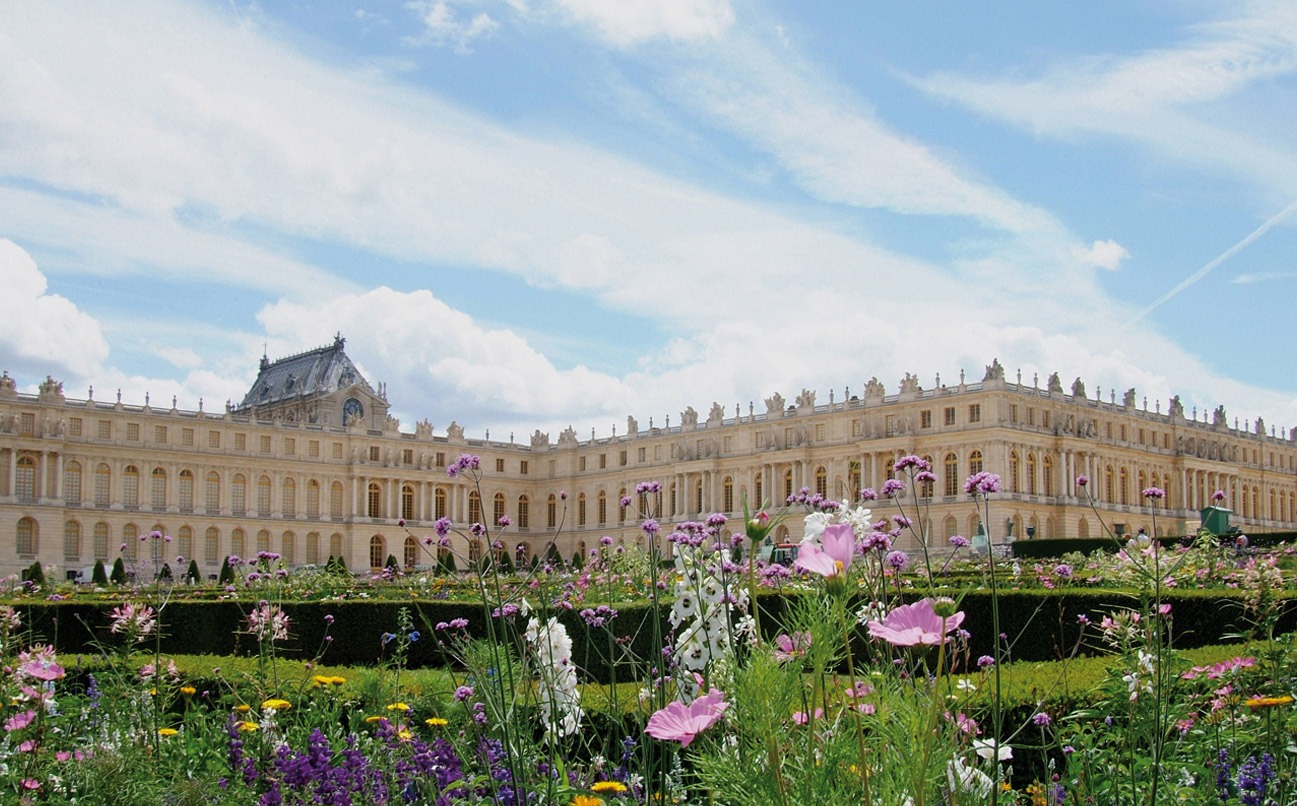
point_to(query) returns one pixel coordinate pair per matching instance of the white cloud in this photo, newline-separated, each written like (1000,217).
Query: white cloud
(443,27)
(42,329)
(628,22)
(1177,99)
(1103,254)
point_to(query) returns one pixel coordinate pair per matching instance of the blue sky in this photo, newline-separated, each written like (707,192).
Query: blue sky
(539,213)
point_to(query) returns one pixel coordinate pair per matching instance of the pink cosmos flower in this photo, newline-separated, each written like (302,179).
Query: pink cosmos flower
(839,548)
(913,624)
(19,721)
(788,647)
(682,723)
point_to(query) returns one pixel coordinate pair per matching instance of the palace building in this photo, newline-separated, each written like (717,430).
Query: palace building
(311,465)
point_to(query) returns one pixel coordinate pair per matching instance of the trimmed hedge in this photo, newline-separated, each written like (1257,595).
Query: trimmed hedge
(1040,625)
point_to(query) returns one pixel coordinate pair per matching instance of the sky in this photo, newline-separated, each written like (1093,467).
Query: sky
(533,214)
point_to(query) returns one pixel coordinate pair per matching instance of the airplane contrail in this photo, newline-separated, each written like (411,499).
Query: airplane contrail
(1219,259)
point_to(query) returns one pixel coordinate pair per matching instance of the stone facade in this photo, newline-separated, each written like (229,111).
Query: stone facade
(310,465)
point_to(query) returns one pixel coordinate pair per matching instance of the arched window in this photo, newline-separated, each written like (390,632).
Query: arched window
(312,548)
(410,556)
(1047,472)
(28,534)
(263,496)
(1109,484)
(1014,485)
(950,469)
(335,500)
(853,480)
(759,491)
(238,544)
(788,484)
(698,496)
(621,508)
(212,495)
(71,542)
(263,540)
(927,488)
(1083,528)
(186,491)
(103,485)
(374,501)
(336,548)
(439,501)
(131,486)
(474,551)
(1124,481)
(821,481)
(474,507)
(25,480)
(497,510)
(159,489)
(524,512)
(377,552)
(407,502)
(950,527)
(312,499)
(239,495)
(288,549)
(212,546)
(974,463)
(603,507)
(1031,474)
(523,552)
(727,494)
(185,543)
(103,536)
(288,498)
(131,541)
(580,510)
(551,512)
(72,484)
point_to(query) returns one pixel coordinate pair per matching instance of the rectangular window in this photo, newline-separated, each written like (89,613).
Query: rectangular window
(290,446)
(657,453)
(264,444)
(603,461)
(1031,416)
(642,455)
(187,437)
(761,441)
(74,427)
(889,425)
(214,440)
(857,428)
(313,449)
(407,456)
(1013,413)
(727,445)
(975,413)
(337,450)
(499,465)
(581,463)
(375,453)
(105,429)
(925,418)
(950,415)
(819,432)
(240,442)
(622,459)
(1123,433)
(133,432)
(522,467)
(160,434)
(441,459)
(1044,419)
(27,424)
(789,438)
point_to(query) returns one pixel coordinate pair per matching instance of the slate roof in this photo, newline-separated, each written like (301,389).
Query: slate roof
(300,377)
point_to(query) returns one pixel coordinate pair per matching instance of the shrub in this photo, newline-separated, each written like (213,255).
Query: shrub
(118,576)
(192,574)
(226,577)
(100,575)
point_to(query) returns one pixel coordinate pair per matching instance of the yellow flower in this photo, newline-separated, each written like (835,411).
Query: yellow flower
(189,690)
(248,727)
(167,731)
(398,706)
(321,680)
(337,681)
(404,734)
(372,719)
(1257,703)
(276,705)
(586,800)
(435,722)
(243,708)
(608,786)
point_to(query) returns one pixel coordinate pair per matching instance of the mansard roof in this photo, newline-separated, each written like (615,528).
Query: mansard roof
(312,374)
